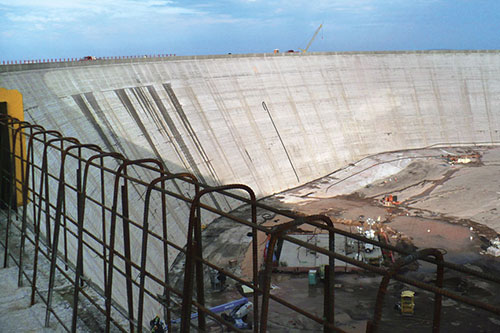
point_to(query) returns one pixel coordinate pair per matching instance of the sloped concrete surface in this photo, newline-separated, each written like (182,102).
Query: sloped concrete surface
(16,315)
(205,115)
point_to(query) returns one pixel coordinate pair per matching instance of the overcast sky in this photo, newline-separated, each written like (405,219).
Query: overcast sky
(39,29)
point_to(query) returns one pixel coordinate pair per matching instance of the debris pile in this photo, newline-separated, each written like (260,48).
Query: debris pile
(390,200)
(462,159)
(494,249)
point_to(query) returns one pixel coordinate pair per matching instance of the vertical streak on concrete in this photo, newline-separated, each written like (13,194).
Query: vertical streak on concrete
(335,136)
(439,105)
(90,118)
(149,109)
(189,129)
(293,105)
(103,119)
(187,154)
(175,138)
(324,130)
(487,107)
(235,135)
(193,98)
(131,110)
(263,149)
(279,136)
(465,101)
(122,95)
(349,130)
(414,95)
(198,144)
(393,104)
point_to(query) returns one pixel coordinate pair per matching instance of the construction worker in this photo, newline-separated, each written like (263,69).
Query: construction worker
(157,325)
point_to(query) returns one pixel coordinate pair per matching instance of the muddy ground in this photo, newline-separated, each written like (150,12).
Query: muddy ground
(443,204)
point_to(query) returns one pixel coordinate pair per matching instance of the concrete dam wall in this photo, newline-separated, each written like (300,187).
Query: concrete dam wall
(205,115)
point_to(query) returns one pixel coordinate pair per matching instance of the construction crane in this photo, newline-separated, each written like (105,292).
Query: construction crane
(312,39)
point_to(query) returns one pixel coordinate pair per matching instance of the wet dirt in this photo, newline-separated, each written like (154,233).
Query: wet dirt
(443,205)
(431,191)
(436,212)
(355,296)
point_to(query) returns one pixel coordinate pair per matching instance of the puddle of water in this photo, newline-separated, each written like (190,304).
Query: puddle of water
(460,243)
(427,233)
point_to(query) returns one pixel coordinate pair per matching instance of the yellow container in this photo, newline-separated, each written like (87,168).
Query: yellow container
(407,302)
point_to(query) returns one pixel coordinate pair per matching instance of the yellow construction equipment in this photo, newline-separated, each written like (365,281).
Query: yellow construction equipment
(407,302)
(312,39)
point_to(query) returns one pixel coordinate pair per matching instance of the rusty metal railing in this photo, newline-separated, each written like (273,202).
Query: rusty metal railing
(128,236)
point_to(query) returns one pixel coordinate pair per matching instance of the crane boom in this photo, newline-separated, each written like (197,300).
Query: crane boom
(312,39)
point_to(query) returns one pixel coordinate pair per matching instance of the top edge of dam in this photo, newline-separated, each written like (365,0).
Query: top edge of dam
(62,63)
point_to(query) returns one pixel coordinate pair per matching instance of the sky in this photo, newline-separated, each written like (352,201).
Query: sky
(40,29)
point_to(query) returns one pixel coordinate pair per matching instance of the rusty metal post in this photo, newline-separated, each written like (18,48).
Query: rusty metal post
(200,283)
(79,256)
(166,291)
(81,215)
(167,312)
(12,184)
(330,313)
(144,249)
(39,216)
(329,301)
(266,283)
(80,221)
(122,171)
(57,226)
(188,270)
(328,307)
(103,215)
(193,248)
(25,179)
(276,232)
(44,179)
(194,256)
(126,244)
(64,224)
(109,285)
(13,188)
(25,201)
(255,264)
